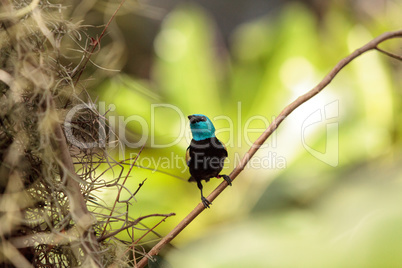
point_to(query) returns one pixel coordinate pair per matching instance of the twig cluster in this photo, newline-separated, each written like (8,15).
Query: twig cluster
(50,212)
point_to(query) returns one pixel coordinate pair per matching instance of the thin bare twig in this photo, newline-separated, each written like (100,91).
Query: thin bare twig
(100,239)
(122,162)
(389,54)
(264,136)
(150,230)
(97,41)
(121,188)
(139,187)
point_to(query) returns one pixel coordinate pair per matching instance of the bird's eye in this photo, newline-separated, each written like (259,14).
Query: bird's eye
(203,119)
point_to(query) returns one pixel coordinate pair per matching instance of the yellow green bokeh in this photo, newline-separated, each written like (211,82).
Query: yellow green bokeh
(307,213)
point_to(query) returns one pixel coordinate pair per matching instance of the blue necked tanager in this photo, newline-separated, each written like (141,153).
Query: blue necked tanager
(206,154)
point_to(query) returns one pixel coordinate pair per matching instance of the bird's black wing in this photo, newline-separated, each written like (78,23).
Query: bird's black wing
(221,145)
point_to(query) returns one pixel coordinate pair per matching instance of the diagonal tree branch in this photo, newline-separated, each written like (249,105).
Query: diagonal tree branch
(79,211)
(265,135)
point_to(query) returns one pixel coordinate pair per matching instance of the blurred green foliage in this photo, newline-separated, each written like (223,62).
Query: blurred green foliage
(306,213)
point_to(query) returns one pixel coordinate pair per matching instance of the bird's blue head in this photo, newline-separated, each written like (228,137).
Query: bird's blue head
(201,127)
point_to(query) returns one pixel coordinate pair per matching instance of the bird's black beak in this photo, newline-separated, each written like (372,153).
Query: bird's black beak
(196,118)
(192,118)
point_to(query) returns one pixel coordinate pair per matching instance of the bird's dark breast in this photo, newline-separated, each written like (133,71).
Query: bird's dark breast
(206,158)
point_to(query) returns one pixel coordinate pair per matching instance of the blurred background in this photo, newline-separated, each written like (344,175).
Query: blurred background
(325,191)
